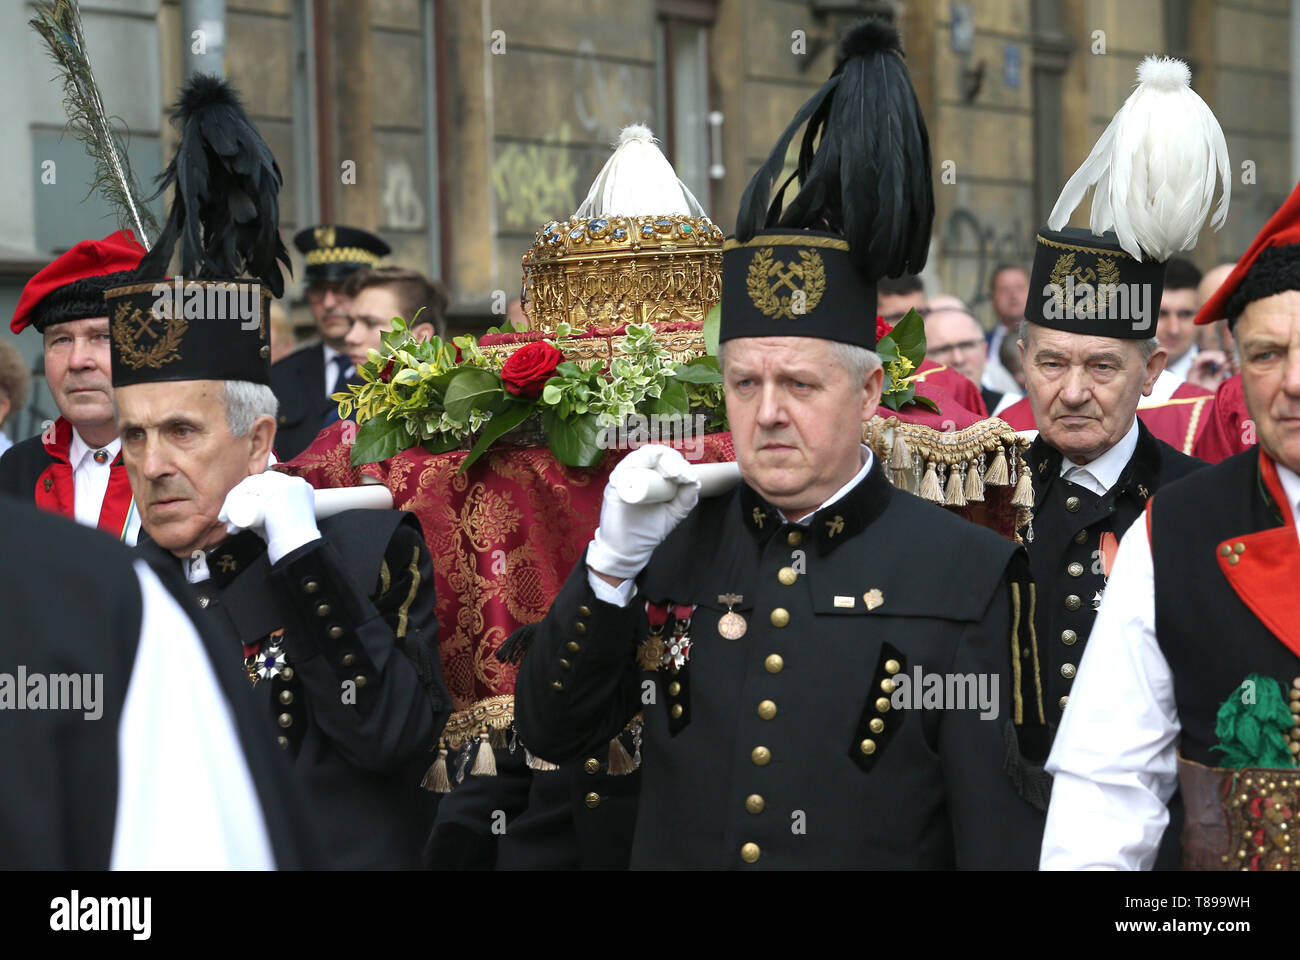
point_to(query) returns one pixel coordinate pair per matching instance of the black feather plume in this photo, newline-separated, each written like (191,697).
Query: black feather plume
(225,210)
(864,161)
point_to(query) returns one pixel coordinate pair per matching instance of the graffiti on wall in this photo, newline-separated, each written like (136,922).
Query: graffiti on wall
(534,183)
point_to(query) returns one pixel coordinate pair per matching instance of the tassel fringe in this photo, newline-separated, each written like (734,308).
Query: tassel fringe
(930,488)
(435,778)
(997,474)
(485,764)
(974,485)
(954,495)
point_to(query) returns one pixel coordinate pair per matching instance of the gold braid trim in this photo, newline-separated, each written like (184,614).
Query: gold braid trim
(787,240)
(1033,643)
(494,715)
(1190,440)
(1093,251)
(403,612)
(1017,701)
(341,255)
(385,577)
(946,447)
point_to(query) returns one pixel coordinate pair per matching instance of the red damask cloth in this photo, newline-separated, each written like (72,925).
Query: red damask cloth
(504,537)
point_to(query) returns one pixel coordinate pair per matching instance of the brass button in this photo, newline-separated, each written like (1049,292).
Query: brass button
(565,663)
(868,747)
(877,725)
(348,660)
(754,803)
(787,576)
(592,765)
(1234,559)
(780,617)
(593,799)
(1081,536)
(1072,602)
(674,688)
(322,609)
(761,756)
(285,720)
(204,601)
(766,709)
(794,538)
(1075,569)
(311,586)
(892,666)
(286,697)
(1063,701)
(774,663)
(1072,504)
(676,711)
(882,704)
(1067,671)
(572,646)
(1239,548)
(283,741)
(580,627)
(360,680)
(335,632)
(584,611)
(1068,637)
(286,673)
(283,419)
(556,685)
(887,685)
(1225,550)
(749,853)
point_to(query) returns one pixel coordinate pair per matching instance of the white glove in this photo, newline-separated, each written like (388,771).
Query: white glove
(277,507)
(628,533)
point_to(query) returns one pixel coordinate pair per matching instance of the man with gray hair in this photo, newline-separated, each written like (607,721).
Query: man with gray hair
(335,617)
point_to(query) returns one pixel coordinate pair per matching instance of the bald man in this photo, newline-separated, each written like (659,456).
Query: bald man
(954,337)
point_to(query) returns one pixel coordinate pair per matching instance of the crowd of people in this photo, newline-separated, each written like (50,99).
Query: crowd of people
(717,684)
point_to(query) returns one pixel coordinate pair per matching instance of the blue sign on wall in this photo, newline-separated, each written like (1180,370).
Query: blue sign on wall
(1011,66)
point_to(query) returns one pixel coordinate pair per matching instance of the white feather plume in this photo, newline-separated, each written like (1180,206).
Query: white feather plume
(637,181)
(1154,167)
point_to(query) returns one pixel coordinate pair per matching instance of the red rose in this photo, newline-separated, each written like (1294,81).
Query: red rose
(528,369)
(883,329)
(387,373)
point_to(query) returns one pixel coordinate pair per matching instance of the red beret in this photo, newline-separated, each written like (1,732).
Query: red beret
(118,253)
(1282,229)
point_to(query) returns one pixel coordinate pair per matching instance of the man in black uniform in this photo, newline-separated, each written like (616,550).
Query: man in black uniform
(122,766)
(304,380)
(772,636)
(336,620)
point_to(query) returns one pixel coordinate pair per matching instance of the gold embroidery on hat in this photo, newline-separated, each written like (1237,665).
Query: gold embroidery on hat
(324,236)
(806,277)
(132,324)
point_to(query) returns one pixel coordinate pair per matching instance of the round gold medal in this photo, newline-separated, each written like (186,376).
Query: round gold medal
(732,625)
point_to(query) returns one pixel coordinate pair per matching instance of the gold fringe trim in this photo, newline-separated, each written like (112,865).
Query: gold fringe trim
(974,485)
(492,716)
(485,762)
(1024,495)
(435,778)
(930,489)
(954,495)
(997,475)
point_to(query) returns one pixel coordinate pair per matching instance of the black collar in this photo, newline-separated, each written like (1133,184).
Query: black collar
(831,525)
(225,561)
(1138,479)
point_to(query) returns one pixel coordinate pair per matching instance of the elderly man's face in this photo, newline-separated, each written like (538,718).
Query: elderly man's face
(78,370)
(1084,390)
(953,337)
(796,418)
(1268,336)
(182,459)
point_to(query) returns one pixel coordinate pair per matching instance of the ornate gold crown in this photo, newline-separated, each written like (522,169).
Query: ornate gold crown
(605,271)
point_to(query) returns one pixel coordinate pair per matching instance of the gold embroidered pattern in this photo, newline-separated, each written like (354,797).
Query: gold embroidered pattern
(805,279)
(405,609)
(130,325)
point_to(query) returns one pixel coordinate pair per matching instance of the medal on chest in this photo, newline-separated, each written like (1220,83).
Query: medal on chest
(267,659)
(732,625)
(667,649)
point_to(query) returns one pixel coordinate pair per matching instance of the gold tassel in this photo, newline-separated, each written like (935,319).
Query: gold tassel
(974,485)
(997,474)
(1024,495)
(485,764)
(930,489)
(537,763)
(435,778)
(953,495)
(899,457)
(620,762)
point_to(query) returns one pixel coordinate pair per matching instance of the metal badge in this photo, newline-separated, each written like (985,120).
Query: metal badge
(732,625)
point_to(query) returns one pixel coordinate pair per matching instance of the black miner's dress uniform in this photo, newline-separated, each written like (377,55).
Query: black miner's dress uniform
(62,770)
(357,613)
(1064,555)
(781,749)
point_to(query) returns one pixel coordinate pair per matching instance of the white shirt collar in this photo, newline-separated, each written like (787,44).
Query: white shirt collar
(842,491)
(1107,468)
(330,353)
(79,450)
(1291,487)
